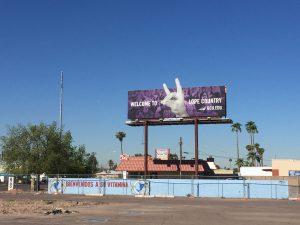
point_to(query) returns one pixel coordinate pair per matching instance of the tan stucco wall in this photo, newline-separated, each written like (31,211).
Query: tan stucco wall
(223,172)
(284,165)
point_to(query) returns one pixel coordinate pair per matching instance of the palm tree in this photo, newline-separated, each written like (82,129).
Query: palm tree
(249,148)
(236,127)
(258,160)
(255,149)
(251,157)
(260,153)
(240,162)
(248,129)
(246,163)
(251,129)
(120,135)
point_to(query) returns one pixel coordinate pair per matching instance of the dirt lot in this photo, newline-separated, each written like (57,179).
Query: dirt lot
(29,208)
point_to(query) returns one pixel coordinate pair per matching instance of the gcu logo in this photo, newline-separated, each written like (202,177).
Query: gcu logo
(140,187)
(57,185)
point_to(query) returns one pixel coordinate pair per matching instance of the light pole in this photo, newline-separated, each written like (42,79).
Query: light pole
(180,157)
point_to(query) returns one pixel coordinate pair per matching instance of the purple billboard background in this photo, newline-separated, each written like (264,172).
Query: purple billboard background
(196,102)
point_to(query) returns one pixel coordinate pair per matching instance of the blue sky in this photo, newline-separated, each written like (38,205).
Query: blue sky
(106,48)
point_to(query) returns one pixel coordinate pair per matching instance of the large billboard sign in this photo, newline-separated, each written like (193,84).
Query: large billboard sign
(177,103)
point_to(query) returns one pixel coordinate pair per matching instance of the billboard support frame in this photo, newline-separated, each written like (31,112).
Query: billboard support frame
(194,121)
(145,149)
(196,147)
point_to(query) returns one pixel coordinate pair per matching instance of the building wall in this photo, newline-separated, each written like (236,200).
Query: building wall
(223,172)
(255,171)
(284,165)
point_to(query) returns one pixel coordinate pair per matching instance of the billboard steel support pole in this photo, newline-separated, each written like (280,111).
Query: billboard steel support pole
(145,149)
(196,148)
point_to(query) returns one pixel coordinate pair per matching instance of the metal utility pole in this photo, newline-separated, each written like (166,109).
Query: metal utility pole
(61,97)
(60,119)
(180,157)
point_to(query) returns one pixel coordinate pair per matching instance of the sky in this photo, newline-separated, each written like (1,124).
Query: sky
(107,48)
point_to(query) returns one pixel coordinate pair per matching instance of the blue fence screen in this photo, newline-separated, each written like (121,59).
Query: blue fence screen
(273,189)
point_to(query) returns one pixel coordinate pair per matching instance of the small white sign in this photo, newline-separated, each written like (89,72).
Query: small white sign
(124,174)
(11,181)
(124,157)
(162,153)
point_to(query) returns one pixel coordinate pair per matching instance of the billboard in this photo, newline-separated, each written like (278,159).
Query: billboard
(177,103)
(162,153)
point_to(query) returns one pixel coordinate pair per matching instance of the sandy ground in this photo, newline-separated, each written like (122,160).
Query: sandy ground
(29,208)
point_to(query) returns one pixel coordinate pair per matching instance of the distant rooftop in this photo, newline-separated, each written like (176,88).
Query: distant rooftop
(136,164)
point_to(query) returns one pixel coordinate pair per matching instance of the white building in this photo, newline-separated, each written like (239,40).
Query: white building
(256,171)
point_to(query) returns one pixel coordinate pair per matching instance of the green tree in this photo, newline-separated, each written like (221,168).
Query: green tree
(92,163)
(257,158)
(120,136)
(111,164)
(40,148)
(173,156)
(251,158)
(251,129)
(259,155)
(83,162)
(249,148)
(240,162)
(236,127)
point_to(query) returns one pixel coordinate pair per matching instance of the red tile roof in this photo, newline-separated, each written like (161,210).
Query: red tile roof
(136,164)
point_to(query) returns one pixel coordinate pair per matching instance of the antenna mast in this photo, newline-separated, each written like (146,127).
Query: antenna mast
(61,96)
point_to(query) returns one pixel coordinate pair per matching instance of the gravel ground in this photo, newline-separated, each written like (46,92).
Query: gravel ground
(12,203)
(21,207)
(30,208)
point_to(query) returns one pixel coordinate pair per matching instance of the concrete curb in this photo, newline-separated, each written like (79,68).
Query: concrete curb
(154,196)
(96,195)
(164,196)
(144,196)
(294,199)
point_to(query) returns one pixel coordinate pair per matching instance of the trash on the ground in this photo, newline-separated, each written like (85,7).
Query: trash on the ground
(48,202)
(58,211)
